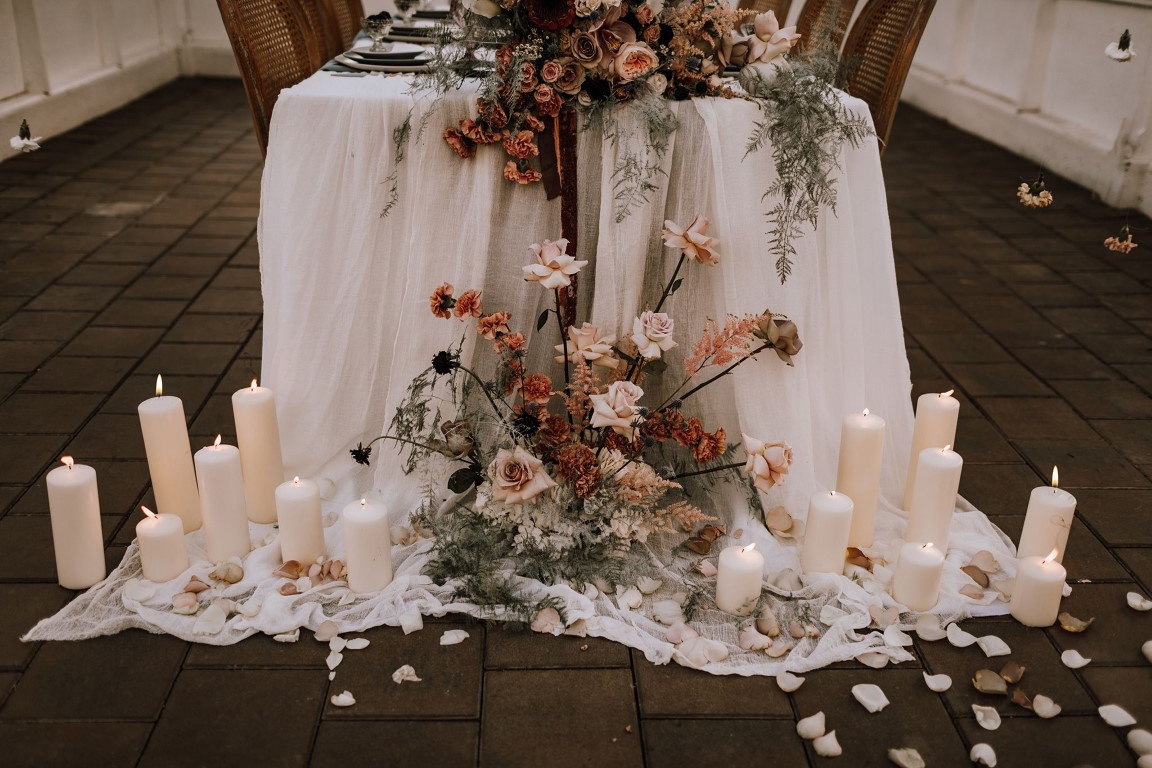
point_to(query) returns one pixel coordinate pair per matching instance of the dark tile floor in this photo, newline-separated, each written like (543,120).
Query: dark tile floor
(128,247)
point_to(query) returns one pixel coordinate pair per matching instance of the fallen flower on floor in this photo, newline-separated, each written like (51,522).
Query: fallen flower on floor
(1121,244)
(406,674)
(1034,195)
(1122,49)
(23,141)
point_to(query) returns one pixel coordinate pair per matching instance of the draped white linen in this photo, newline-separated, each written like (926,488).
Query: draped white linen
(347,326)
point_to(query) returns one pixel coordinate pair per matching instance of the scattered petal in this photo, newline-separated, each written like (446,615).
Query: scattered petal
(698,651)
(796,629)
(827,746)
(993,646)
(411,621)
(1020,699)
(229,572)
(710,533)
(1073,659)
(667,612)
(1146,649)
(578,628)
(1045,707)
(870,696)
(928,628)
(830,614)
(337,644)
(212,621)
(1116,716)
(548,622)
(1004,587)
(858,558)
(1012,672)
(1070,623)
(250,607)
(287,637)
(811,727)
(629,598)
(706,567)
(972,591)
(873,659)
(185,603)
(976,575)
(895,638)
(959,637)
(1066,591)
(906,758)
(1140,741)
(303,584)
(405,674)
(987,717)
(326,631)
(289,589)
(195,586)
(985,561)
(751,640)
(983,754)
(347,598)
(766,622)
(648,585)
(1138,602)
(679,632)
(938,683)
(138,590)
(333,660)
(886,617)
(786,580)
(778,520)
(344,699)
(779,649)
(788,682)
(987,681)
(453,637)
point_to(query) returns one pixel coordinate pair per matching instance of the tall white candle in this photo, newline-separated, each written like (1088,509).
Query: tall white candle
(916,583)
(165,433)
(301,526)
(1038,589)
(739,579)
(222,502)
(161,541)
(1048,521)
(826,533)
(367,546)
(258,436)
(74,505)
(934,497)
(936,416)
(858,471)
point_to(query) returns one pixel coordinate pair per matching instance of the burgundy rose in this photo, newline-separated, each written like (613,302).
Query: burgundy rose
(551,14)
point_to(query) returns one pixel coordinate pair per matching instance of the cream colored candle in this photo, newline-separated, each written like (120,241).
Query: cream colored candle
(161,541)
(258,436)
(367,546)
(739,579)
(936,416)
(1048,521)
(916,583)
(222,502)
(301,525)
(826,533)
(934,497)
(1038,589)
(165,433)
(74,505)
(858,471)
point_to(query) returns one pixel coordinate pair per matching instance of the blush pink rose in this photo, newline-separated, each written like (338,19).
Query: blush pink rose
(617,408)
(693,240)
(768,463)
(635,60)
(652,333)
(517,476)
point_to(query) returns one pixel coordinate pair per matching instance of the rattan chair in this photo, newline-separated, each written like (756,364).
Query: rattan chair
(763,6)
(274,50)
(348,14)
(322,26)
(879,53)
(822,20)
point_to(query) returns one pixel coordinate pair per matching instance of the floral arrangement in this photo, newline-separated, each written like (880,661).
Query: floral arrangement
(573,466)
(1034,195)
(23,141)
(1122,243)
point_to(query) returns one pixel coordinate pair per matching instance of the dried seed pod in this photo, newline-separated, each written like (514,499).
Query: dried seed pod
(710,533)
(338,569)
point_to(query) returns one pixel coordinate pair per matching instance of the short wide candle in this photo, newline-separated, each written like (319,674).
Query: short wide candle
(258,436)
(916,583)
(936,417)
(161,541)
(934,497)
(858,472)
(739,579)
(367,546)
(222,502)
(169,454)
(301,526)
(1047,522)
(1039,587)
(826,533)
(74,505)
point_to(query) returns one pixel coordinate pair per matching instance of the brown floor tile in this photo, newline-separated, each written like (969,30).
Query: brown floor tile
(1087,557)
(508,649)
(1091,320)
(991,379)
(581,715)
(1133,438)
(22,457)
(260,651)
(722,743)
(1116,348)
(979,441)
(79,374)
(1036,418)
(670,690)
(963,348)
(113,342)
(999,489)
(101,274)
(75,297)
(413,744)
(256,717)
(1139,561)
(155,313)
(24,605)
(229,301)
(1065,740)
(1106,399)
(32,556)
(1141,375)
(1118,632)
(1125,686)
(24,356)
(1082,464)
(45,413)
(65,745)
(1054,364)
(1119,516)
(195,359)
(212,328)
(109,436)
(185,265)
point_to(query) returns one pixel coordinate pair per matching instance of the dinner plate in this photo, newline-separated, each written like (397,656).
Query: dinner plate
(413,31)
(384,57)
(408,66)
(409,39)
(434,15)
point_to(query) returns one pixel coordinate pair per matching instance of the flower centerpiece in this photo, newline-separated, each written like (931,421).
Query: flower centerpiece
(560,473)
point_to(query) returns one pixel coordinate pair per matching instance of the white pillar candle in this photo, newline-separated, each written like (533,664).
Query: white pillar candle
(739,579)
(934,497)
(826,533)
(258,437)
(165,433)
(1038,589)
(74,505)
(936,416)
(1048,521)
(222,502)
(916,583)
(858,472)
(161,541)
(301,526)
(367,546)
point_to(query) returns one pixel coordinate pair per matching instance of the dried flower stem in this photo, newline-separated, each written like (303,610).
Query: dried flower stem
(709,471)
(724,372)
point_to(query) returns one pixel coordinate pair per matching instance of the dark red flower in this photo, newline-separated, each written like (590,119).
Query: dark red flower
(551,14)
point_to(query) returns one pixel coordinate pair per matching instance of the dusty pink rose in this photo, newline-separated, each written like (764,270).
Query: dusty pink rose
(768,463)
(554,267)
(586,345)
(693,240)
(517,476)
(551,70)
(644,13)
(635,60)
(571,77)
(544,93)
(614,35)
(768,40)
(652,333)
(528,79)
(586,50)
(617,409)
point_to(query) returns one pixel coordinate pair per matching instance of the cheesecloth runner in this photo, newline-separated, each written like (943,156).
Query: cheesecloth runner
(346,327)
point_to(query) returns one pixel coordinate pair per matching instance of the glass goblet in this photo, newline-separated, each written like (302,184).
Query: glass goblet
(377,28)
(405,8)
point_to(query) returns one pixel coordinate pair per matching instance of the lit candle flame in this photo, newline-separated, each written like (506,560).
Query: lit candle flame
(159,385)
(296,481)
(749,547)
(1055,477)
(216,442)
(1051,556)
(148,512)
(253,385)
(68,462)
(947,394)
(865,411)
